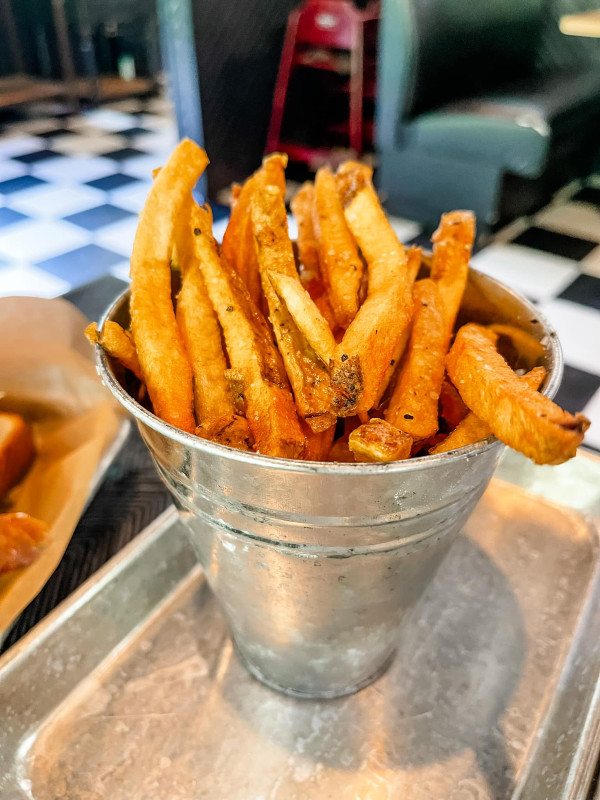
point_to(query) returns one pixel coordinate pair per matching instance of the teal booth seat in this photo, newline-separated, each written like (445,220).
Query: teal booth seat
(465,119)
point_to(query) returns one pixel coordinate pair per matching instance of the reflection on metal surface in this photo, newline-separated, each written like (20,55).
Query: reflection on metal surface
(493,694)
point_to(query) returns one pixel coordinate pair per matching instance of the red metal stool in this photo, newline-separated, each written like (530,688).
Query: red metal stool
(317,35)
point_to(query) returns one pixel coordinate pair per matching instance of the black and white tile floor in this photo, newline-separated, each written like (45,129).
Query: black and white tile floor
(71,188)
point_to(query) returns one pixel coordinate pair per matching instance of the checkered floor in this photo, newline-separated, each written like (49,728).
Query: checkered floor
(71,188)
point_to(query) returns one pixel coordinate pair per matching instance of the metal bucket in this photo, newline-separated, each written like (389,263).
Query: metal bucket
(316,565)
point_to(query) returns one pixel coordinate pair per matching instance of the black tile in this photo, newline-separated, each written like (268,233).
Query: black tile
(9,217)
(576,389)
(588,195)
(558,243)
(82,265)
(95,218)
(220,212)
(39,155)
(124,153)
(129,133)
(585,289)
(421,240)
(94,298)
(15,185)
(56,132)
(110,182)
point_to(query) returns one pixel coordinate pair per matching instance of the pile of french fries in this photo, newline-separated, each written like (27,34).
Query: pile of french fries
(330,351)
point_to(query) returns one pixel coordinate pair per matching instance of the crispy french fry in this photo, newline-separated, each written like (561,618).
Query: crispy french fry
(307,373)
(202,338)
(377,440)
(516,414)
(231,430)
(340,452)
(270,407)
(238,241)
(452,244)
(413,407)
(340,262)
(165,365)
(318,443)
(365,353)
(413,264)
(117,342)
(452,406)
(523,343)
(304,312)
(471,429)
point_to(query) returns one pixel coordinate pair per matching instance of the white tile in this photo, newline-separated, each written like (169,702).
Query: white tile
(219,229)
(574,219)
(292,227)
(131,197)
(156,123)
(23,279)
(53,202)
(118,237)
(592,411)
(538,275)
(75,169)
(405,229)
(111,120)
(156,142)
(11,169)
(121,271)
(591,263)
(21,145)
(142,166)
(92,145)
(37,240)
(31,126)
(130,106)
(578,329)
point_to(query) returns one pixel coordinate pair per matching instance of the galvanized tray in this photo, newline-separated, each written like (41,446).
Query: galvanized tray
(132,689)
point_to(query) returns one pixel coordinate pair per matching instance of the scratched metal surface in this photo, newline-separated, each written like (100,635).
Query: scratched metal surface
(132,689)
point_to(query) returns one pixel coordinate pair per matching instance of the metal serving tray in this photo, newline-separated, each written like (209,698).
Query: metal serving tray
(131,689)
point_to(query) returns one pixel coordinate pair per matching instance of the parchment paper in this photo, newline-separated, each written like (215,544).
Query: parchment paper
(47,374)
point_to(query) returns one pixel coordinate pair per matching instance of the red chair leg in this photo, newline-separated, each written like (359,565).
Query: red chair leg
(356,91)
(281,85)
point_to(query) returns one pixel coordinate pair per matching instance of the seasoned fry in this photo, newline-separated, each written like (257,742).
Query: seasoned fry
(516,414)
(318,444)
(202,338)
(305,314)
(165,365)
(231,430)
(340,452)
(238,241)
(452,244)
(377,440)
(471,429)
(340,262)
(270,407)
(307,373)
(117,343)
(413,407)
(371,342)
(523,344)
(452,407)
(413,263)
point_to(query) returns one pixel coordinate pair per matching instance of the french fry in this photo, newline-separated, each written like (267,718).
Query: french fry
(117,343)
(308,375)
(340,452)
(413,264)
(164,362)
(340,262)
(311,324)
(270,407)
(201,333)
(362,358)
(413,406)
(311,277)
(229,429)
(452,244)
(471,429)
(452,406)
(377,440)
(238,241)
(524,345)
(318,443)
(516,414)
